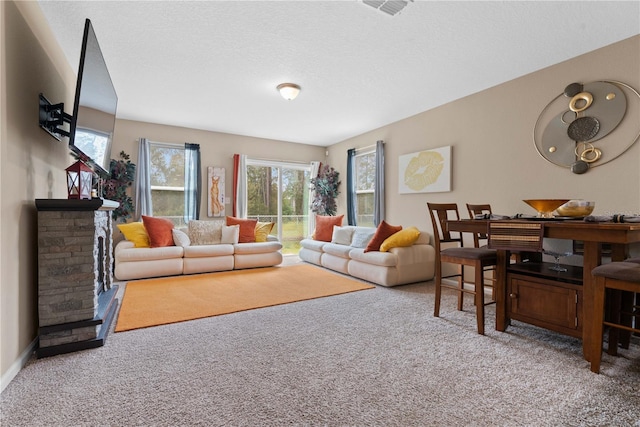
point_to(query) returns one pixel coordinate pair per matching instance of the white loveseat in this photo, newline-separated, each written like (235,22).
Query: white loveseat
(397,266)
(190,255)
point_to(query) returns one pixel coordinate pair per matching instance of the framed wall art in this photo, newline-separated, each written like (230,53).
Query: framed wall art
(427,171)
(215,206)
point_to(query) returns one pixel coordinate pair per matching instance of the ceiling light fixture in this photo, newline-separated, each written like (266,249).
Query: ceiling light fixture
(289,91)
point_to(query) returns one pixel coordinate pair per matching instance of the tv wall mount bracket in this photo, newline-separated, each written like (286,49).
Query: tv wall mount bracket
(52,118)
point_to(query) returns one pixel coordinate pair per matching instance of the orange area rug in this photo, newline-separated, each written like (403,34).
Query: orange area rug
(167,300)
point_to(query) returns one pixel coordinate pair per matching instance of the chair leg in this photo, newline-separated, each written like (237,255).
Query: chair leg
(438,282)
(615,298)
(479,298)
(597,328)
(460,288)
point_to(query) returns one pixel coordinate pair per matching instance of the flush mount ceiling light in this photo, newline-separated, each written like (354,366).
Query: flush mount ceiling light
(390,7)
(289,91)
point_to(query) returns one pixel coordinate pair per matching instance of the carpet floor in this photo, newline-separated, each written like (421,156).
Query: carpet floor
(374,358)
(176,299)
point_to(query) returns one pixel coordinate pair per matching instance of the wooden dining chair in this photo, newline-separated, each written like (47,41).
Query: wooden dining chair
(451,249)
(617,276)
(479,239)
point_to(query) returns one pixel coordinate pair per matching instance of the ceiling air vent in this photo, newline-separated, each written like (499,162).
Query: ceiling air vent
(390,7)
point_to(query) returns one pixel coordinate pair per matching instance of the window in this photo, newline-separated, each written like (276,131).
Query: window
(167,181)
(365,178)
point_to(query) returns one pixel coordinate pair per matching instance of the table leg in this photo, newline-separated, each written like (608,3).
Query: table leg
(592,257)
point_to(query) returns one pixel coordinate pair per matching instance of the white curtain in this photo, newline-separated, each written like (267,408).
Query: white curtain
(143,181)
(315,168)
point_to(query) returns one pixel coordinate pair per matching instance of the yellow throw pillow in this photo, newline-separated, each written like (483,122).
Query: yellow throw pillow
(262,231)
(136,233)
(402,238)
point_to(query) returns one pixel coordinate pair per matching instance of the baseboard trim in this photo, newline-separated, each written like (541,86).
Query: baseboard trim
(17,366)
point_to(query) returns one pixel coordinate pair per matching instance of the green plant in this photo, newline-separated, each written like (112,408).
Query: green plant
(325,191)
(121,175)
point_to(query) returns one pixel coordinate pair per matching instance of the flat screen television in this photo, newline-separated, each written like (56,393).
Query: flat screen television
(94,111)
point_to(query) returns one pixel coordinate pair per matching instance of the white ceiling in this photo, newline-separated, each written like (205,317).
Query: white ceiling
(215,65)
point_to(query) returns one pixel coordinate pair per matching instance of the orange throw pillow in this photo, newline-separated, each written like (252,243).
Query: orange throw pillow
(383,232)
(324,227)
(247,228)
(159,231)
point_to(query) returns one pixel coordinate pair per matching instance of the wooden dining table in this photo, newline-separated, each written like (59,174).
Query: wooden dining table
(593,234)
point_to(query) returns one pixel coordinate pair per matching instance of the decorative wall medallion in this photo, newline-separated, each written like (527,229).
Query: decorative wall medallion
(574,129)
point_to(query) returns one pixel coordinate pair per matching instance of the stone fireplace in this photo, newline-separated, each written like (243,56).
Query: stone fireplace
(76,296)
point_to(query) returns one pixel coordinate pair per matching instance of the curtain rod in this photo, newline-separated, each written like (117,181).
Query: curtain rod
(278,161)
(368,146)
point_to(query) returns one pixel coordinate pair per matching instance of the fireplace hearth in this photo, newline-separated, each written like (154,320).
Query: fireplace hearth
(76,296)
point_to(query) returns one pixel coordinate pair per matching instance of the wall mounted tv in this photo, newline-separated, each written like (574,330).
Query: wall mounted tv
(94,112)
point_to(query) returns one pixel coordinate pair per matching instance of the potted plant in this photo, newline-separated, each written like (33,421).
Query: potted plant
(325,191)
(121,175)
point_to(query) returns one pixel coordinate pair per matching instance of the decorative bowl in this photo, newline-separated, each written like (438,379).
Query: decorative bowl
(545,207)
(576,208)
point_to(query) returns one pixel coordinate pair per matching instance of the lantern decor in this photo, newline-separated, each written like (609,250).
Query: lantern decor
(79,181)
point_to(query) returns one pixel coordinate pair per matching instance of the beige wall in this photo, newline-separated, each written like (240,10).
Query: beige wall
(216,149)
(494,158)
(33,166)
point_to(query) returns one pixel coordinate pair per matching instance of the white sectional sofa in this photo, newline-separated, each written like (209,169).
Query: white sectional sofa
(156,249)
(398,266)
(138,263)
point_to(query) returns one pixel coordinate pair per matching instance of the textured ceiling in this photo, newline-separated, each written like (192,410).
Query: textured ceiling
(215,65)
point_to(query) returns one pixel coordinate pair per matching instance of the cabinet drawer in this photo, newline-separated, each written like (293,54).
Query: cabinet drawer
(546,303)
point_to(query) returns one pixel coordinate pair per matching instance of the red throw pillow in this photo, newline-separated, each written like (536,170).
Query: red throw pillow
(383,232)
(324,227)
(247,228)
(159,231)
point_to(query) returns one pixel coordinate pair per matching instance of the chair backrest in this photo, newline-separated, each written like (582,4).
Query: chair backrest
(516,235)
(440,213)
(482,209)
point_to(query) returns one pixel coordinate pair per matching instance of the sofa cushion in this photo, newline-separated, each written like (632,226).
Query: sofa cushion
(262,230)
(257,247)
(148,254)
(384,259)
(337,250)
(205,232)
(230,234)
(401,239)
(159,231)
(180,238)
(202,251)
(324,227)
(136,233)
(313,245)
(383,231)
(362,236)
(342,235)
(247,228)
